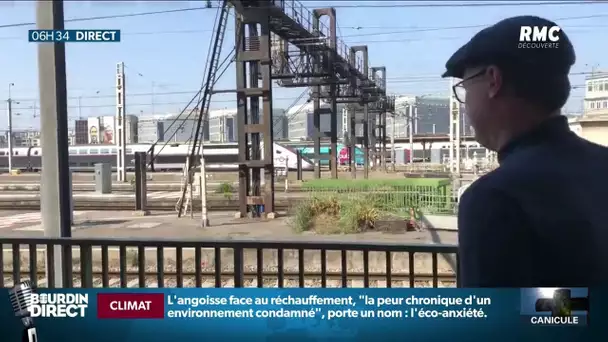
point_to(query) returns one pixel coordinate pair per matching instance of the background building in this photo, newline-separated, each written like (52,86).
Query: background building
(102,130)
(25,138)
(179,128)
(81,132)
(431,116)
(300,124)
(596,94)
(150,129)
(223,125)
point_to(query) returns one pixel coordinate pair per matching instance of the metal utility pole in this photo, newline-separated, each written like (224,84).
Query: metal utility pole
(393,150)
(415,118)
(454,133)
(203,194)
(10,134)
(410,125)
(121,132)
(10,128)
(56,188)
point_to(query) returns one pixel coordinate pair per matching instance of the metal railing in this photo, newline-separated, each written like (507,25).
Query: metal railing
(390,197)
(151,263)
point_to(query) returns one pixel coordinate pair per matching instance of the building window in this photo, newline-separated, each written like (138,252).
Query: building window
(601,86)
(605,104)
(589,86)
(592,105)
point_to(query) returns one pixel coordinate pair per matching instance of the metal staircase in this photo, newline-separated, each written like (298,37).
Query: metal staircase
(213,64)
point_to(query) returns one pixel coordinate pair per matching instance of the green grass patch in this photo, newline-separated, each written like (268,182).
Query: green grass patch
(363,184)
(335,215)
(428,195)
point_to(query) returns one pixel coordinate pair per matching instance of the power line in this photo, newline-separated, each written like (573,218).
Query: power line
(412,5)
(578,86)
(485,4)
(144,104)
(417,4)
(431,29)
(402,29)
(114,16)
(184,92)
(411,78)
(125,33)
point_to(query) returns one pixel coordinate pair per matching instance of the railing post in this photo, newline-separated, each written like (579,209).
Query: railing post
(71,185)
(238,267)
(395,259)
(141,196)
(299,165)
(287,174)
(203,193)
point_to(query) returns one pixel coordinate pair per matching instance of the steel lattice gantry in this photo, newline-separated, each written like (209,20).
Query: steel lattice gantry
(311,56)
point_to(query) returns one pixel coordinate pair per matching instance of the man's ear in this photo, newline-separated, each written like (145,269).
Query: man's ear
(495,80)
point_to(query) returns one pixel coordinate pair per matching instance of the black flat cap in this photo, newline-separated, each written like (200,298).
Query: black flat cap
(500,44)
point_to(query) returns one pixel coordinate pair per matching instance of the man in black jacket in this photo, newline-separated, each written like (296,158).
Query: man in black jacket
(541,218)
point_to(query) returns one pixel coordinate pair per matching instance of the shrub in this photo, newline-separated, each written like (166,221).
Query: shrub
(334,215)
(225,189)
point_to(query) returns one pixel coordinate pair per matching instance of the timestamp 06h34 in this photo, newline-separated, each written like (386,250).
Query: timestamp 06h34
(69,36)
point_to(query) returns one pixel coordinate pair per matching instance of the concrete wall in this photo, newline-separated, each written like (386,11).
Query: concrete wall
(595,131)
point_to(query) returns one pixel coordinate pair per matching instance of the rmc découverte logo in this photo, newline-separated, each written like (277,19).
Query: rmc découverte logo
(539,37)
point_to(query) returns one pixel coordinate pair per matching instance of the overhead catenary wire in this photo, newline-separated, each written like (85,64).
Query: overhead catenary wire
(338,6)
(211,78)
(421,4)
(412,78)
(205,82)
(209,51)
(229,58)
(400,29)
(576,86)
(293,104)
(113,16)
(192,111)
(359,5)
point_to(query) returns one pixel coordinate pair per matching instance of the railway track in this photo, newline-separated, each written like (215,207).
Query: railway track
(121,206)
(132,279)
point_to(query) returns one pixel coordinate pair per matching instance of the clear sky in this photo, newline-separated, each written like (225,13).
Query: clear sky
(165,54)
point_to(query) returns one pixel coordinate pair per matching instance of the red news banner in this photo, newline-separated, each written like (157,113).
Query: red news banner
(130,305)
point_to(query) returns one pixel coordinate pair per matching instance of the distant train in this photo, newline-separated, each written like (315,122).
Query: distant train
(435,152)
(220,156)
(170,157)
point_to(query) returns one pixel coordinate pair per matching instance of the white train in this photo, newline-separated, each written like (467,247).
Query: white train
(170,157)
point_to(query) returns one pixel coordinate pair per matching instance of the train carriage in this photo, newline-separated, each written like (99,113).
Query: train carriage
(169,157)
